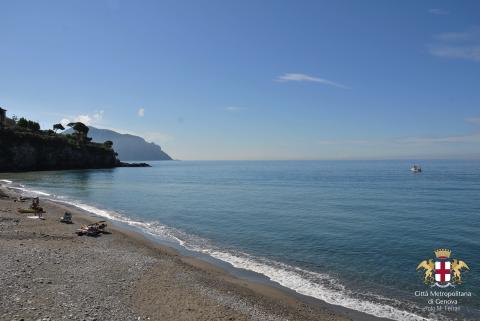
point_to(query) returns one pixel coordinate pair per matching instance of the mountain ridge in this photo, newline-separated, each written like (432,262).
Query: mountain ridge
(129,147)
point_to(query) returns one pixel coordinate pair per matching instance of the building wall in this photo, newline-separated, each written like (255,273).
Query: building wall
(3,118)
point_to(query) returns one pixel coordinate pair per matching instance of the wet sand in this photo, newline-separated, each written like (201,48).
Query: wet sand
(47,272)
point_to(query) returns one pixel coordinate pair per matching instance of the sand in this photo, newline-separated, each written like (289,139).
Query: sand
(47,272)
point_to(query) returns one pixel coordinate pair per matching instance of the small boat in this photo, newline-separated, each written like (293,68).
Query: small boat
(416,169)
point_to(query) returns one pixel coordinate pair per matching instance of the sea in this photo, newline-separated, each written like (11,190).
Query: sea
(350,233)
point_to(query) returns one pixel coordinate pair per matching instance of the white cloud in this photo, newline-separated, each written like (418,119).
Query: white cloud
(303,77)
(64,122)
(457,45)
(87,119)
(141,112)
(233,108)
(440,12)
(473,120)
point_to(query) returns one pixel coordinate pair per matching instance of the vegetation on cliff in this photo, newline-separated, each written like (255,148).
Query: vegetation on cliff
(25,147)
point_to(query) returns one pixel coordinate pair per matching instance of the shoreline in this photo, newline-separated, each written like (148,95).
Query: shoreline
(247,278)
(212,283)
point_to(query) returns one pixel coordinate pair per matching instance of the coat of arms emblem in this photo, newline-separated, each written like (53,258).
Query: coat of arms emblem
(443,272)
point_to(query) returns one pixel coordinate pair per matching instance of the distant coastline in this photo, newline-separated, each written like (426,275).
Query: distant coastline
(128,147)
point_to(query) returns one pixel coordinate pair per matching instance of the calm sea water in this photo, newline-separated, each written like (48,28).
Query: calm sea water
(347,232)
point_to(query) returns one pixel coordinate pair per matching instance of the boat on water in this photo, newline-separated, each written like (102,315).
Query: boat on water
(416,169)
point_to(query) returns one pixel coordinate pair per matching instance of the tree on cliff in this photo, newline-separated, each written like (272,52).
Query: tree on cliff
(81,131)
(108,144)
(58,127)
(33,126)
(22,122)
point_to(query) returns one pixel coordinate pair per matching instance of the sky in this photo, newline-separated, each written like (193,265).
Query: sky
(252,79)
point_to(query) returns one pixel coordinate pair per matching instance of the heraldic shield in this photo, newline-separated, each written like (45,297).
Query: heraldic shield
(443,272)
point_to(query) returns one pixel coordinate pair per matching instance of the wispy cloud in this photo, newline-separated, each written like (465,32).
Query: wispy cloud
(233,109)
(473,120)
(141,112)
(437,11)
(466,53)
(456,37)
(303,77)
(347,141)
(470,138)
(457,45)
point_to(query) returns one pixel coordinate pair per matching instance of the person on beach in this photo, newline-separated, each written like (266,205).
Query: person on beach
(35,203)
(36,207)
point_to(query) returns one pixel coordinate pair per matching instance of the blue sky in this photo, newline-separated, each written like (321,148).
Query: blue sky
(253,79)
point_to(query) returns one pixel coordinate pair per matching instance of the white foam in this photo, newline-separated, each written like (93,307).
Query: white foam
(31,191)
(6,181)
(320,286)
(313,284)
(152,228)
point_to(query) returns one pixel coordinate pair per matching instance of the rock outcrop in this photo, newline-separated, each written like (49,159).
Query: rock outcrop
(29,151)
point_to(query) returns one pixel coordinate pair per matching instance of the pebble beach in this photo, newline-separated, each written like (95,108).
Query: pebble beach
(47,272)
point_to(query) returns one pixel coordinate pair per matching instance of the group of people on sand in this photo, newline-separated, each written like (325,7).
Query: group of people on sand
(93,229)
(35,208)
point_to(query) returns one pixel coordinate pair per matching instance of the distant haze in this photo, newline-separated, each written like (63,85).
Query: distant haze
(128,147)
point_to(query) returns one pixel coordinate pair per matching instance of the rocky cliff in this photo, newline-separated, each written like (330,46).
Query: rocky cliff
(28,151)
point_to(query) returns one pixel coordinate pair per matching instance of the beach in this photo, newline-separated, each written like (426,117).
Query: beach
(47,272)
(300,232)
